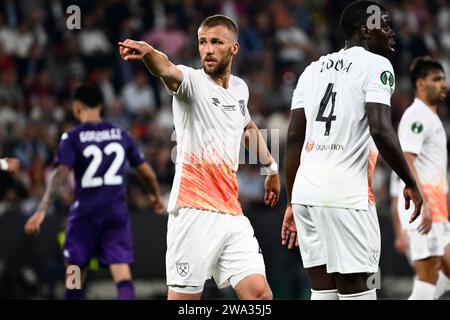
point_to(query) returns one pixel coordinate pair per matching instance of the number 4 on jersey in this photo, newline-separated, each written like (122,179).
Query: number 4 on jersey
(323,105)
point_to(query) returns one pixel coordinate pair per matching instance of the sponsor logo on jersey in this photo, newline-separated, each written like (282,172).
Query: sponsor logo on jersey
(309,146)
(224,107)
(328,147)
(229,107)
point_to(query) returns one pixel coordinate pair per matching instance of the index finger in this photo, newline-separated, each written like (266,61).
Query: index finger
(415,214)
(126,45)
(283,234)
(292,238)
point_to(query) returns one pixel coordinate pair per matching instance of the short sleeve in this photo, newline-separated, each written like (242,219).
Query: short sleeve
(134,154)
(298,97)
(412,133)
(380,83)
(187,84)
(243,106)
(66,151)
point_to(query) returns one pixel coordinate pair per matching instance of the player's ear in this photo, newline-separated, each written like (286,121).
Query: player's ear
(365,32)
(235,48)
(76,108)
(420,84)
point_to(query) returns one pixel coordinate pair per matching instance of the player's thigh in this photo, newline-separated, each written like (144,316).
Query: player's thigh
(82,238)
(320,279)
(427,251)
(116,245)
(311,245)
(241,256)
(253,287)
(195,239)
(351,239)
(432,244)
(353,282)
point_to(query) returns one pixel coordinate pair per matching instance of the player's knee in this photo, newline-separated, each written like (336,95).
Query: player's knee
(267,295)
(263,293)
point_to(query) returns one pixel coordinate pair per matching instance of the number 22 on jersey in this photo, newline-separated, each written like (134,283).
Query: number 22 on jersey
(110,177)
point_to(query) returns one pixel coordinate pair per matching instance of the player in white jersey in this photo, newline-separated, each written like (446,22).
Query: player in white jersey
(208,235)
(424,142)
(340,109)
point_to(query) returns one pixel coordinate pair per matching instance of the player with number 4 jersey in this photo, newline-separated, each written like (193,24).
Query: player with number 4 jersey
(340,119)
(98,223)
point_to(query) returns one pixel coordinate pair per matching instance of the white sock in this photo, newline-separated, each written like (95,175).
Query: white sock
(324,294)
(442,285)
(366,295)
(422,291)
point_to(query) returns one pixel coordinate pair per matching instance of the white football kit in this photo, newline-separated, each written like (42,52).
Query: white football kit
(332,197)
(421,133)
(208,236)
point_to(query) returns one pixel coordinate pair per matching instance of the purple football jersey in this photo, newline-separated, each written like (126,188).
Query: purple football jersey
(97,153)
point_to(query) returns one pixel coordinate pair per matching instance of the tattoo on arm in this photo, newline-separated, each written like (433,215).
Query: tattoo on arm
(57,178)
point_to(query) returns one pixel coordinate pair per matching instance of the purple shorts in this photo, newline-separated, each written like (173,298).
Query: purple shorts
(103,234)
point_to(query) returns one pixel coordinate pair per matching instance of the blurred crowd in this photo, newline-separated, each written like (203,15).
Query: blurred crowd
(42,60)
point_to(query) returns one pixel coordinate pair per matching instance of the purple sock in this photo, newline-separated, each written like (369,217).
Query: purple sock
(125,290)
(74,294)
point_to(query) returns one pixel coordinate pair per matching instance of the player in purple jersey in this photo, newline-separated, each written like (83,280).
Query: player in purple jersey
(98,223)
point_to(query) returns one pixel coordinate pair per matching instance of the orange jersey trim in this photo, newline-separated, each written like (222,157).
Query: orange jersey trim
(208,186)
(373,155)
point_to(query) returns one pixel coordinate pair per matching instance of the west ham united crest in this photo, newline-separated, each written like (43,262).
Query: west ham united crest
(183,269)
(242,106)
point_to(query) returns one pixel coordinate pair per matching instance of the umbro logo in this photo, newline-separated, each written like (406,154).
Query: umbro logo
(215,102)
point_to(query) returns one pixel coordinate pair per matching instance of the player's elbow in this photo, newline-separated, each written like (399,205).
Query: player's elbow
(378,132)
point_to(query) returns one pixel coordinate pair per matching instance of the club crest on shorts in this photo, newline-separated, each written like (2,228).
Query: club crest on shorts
(373,257)
(242,107)
(183,269)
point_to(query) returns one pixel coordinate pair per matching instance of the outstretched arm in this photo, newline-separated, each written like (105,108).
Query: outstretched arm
(155,61)
(147,173)
(57,178)
(386,140)
(255,143)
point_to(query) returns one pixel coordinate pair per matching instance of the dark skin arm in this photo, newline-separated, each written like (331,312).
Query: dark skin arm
(294,146)
(386,140)
(293,151)
(57,179)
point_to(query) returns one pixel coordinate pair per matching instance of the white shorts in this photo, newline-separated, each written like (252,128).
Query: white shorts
(204,244)
(345,240)
(431,244)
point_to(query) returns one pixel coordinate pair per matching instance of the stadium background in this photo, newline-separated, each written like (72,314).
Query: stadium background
(41,61)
